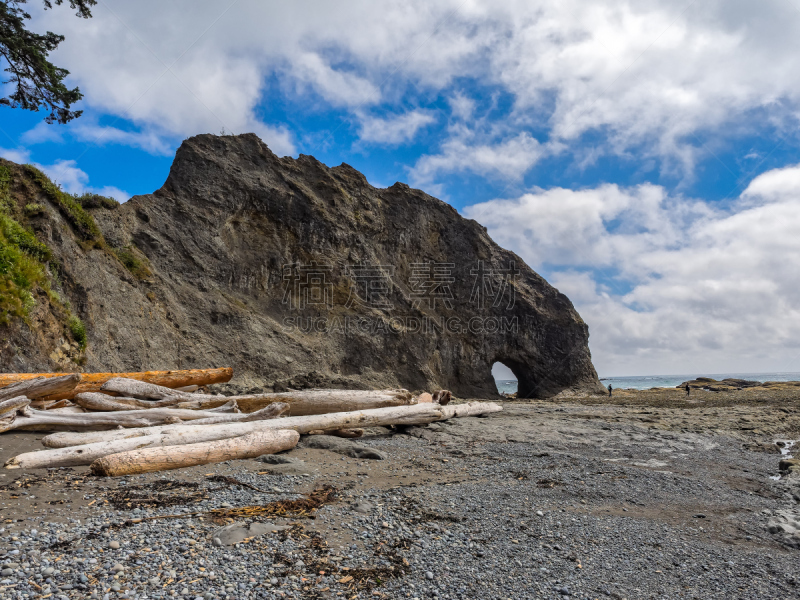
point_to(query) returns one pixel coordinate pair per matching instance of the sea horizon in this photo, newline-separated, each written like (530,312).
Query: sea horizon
(645,382)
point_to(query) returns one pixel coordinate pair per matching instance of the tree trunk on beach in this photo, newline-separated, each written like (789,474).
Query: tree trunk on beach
(305,402)
(399,415)
(91,382)
(150,460)
(28,419)
(74,449)
(39,387)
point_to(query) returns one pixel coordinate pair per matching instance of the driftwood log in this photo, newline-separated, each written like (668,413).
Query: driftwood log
(305,402)
(163,458)
(75,449)
(40,387)
(102,402)
(13,405)
(91,382)
(28,419)
(398,415)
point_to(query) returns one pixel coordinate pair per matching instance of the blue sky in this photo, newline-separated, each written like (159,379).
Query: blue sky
(640,156)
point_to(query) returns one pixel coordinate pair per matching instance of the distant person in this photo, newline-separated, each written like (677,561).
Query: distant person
(610,389)
(688,389)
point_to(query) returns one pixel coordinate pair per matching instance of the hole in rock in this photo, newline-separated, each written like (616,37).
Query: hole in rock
(504,379)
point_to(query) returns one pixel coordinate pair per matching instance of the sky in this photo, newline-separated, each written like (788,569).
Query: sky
(644,157)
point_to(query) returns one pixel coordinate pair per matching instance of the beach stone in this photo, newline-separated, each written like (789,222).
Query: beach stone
(363,507)
(238,532)
(343,446)
(280,464)
(114,545)
(279,459)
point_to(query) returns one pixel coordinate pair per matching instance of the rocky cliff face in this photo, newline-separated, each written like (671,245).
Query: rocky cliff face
(297,275)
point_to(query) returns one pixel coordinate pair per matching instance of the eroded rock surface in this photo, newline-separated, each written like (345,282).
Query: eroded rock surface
(300,275)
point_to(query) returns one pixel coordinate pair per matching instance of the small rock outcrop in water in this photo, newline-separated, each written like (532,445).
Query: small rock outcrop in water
(731,384)
(301,275)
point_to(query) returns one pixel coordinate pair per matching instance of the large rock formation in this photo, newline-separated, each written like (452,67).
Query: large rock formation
(297,274)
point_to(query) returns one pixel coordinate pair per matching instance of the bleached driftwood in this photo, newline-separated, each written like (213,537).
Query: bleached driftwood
(87,453)
(149,460)
(98,401)
(12,405)
(74,449)
(39,387)
(305,402)
(91,382)
(120,403)
(133,388)
(29,419)
(398,415)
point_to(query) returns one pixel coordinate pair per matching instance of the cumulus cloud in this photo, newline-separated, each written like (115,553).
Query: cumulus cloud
(508,159)
(668,283)
(394,130)
(648,75)
(17,155)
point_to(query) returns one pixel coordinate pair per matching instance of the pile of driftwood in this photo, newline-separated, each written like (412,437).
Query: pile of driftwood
(123,424)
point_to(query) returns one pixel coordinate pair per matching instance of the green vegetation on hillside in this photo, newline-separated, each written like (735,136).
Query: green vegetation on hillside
(89,200)
(27,264)
(78,330)
(137,266)
(70,207)
(21,257)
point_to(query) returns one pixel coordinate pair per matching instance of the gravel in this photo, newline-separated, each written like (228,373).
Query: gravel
(647,514)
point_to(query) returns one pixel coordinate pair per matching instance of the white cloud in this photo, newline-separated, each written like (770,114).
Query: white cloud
(44,132)
(113,192)
(17,155)
(648,75)
(338,87)
(509,158)
(394,130)
(693,287)
(67,175)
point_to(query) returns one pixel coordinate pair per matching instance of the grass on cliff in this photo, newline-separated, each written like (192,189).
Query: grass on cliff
(74,208)
(96,201)
(137,266)
(78,330)
(24,263)
(21,256)
(71,207)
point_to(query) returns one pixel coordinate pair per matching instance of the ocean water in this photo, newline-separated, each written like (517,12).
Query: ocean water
(645,382)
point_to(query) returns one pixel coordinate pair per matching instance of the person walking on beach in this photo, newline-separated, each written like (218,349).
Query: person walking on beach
(687,390)
(610,389)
